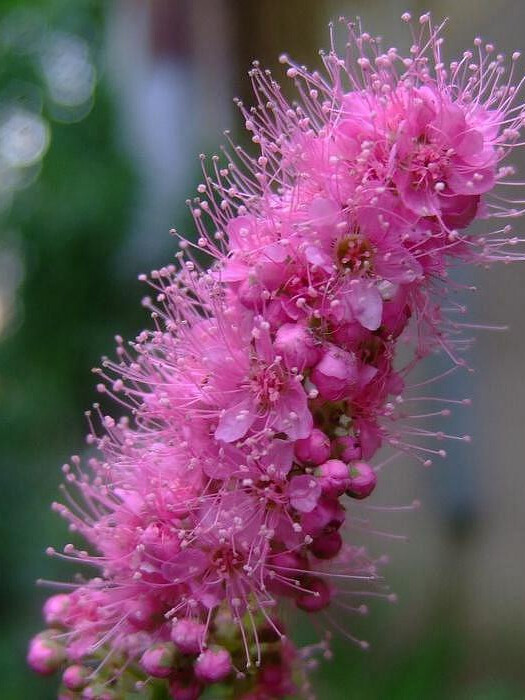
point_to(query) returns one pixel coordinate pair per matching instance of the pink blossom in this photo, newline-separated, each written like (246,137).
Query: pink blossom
(338,374)
(262,392)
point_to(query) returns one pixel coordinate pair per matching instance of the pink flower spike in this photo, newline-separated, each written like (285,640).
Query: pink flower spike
(276,366)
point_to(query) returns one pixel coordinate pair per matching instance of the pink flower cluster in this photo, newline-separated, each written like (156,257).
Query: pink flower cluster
(272,375)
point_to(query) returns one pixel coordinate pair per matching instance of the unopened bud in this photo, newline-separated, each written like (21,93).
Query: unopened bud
(45,654)
(327,545)
(75,677)
(334,477)
(188,636)
(363,480)
(55,609)
(213,665)
(159,659)
(315,449)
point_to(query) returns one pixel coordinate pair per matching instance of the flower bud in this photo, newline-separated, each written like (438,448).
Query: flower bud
(348,448)
(181,690)
(315,449)
(159,659)
(250,294)
(327,546)
(142,614)
(45,654)
(327,516)
(213,665)
(75,677)
(98,691)
(334,477)
(363,480)
(335,374)
(55,609)
(317,597)
(276,312)
(296,345)
(188,636)
(159,542)
(369,437)
(276,681)
(350,335)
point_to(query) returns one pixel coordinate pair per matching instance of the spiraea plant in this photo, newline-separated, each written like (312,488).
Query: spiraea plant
(249,416)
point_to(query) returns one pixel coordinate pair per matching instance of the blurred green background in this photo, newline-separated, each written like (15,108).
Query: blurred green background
(104,107)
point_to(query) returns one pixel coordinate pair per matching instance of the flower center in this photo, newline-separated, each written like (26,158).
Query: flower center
(355,253)
(266,383)
(429,163)
(225,560)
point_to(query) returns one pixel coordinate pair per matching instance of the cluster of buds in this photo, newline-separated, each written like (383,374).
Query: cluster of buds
(272,375)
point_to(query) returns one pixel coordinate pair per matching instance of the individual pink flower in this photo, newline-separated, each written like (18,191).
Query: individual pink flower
(263,393)
(339,374)
(441,154)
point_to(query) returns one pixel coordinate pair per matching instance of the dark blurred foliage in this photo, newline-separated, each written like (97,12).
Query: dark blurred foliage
(68,228)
